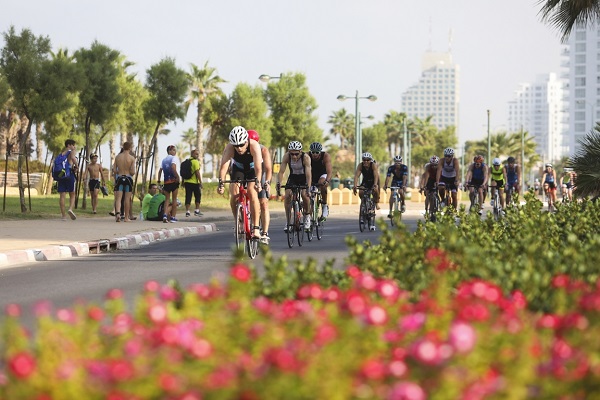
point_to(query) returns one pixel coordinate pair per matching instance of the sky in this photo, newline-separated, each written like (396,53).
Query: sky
(342,46)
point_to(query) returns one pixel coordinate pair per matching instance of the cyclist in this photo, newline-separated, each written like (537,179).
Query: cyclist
(428,178)
(398,174)
(549,181)
(498,179)
(567,181)
(263,195)
(477,177)
(321,172)
(447,175)
(512,172)
(246,163)
(370,179)
(300,174)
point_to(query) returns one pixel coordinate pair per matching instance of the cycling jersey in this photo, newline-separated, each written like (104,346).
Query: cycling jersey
(397,174)
(448,169)
(243,162)
(297,172)
(511,174)
(317,167)
(368,176)
(477,174)
(497,174)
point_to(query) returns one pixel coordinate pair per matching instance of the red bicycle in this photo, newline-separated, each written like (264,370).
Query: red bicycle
(243,219)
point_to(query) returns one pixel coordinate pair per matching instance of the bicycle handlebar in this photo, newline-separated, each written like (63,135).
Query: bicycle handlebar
(294,187)
(240,181)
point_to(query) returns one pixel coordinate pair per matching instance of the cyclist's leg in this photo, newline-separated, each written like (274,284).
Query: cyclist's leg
(323,188)
(546,192)
(501,195)
(264,212)
(391,201)
(234,192)
(454,197)
(254,209)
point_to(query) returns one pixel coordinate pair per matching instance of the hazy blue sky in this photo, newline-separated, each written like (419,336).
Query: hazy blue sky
(373,46)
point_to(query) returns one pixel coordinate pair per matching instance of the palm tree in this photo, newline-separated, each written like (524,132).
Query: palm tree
(394,124)
(189,137)
(342,124)
(204,85)
(586,163)
(564,15)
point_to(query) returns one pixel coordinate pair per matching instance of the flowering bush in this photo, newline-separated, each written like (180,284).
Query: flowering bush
(472,310)
(365,341)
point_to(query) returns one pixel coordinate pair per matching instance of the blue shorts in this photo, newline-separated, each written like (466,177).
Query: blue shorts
(66,186)
(124,183)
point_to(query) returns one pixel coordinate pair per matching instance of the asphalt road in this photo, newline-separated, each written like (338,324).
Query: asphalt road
(188,260)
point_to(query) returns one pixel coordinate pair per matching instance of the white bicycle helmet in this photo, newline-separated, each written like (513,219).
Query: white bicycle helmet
(238,136)
(367,155)
(548,165)
(496,162)
(434,160)
(316,147)
(448,151)
(398,159)
(295,145)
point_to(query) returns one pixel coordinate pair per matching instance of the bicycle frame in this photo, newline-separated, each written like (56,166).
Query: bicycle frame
(433,203)
(243,208)
(396,212)
(295,221)
(366,216)
(497,208)
(315,223)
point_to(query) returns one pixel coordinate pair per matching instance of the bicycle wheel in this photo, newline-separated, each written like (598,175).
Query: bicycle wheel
(394,211)
(370,213)
(311,228)
(434,206)
(291,226)
(362,216)
(299,223)
(319,223)
(240,233)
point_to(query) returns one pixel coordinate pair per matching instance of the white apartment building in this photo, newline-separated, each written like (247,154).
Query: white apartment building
(582,60)
(538,109)
(437,92)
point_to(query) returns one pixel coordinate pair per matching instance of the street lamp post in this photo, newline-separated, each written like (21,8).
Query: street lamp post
(489,155)
(266,78)
(357,134)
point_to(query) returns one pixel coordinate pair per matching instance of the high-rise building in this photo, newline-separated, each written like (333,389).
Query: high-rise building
(582,58)
(437,92)
(538,108)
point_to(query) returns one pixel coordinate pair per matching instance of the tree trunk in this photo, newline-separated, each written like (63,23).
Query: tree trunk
(39,143)
(200,138)
(22,154)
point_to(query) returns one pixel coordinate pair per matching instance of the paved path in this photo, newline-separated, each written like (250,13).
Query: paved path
(23,241)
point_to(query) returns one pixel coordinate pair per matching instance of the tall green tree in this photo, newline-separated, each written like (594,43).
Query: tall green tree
(40,86)
(342,125)
(204,85)
(250,110)
(4,113)
(100,96)
(394,125)
(167,86)
(586,163)
(292,110)
(564,15)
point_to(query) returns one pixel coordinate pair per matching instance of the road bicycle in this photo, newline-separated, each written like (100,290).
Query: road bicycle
(243,219)
(509,189)
(396,213)
(446,200)
(548,194)
(295,220)
(366,216)
(496,202)
(475,206)
(433,204)
(317,223)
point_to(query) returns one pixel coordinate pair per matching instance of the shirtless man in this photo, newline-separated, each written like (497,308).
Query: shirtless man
(93,174)
(124,169)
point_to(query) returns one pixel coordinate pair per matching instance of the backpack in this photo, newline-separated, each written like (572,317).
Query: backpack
(61,170)
(186,169)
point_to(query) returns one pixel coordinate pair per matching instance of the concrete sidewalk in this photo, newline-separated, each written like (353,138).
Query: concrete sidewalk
(23,241)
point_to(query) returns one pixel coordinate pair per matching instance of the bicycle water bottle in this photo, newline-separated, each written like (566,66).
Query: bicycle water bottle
(141,216)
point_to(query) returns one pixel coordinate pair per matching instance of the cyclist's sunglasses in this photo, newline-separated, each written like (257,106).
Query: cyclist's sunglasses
(366,159)
(294,154)
(239,145)
(315,152)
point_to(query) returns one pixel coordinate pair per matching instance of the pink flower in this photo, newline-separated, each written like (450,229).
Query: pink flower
(560,281)
(426,351)
(355,302)
(13,310)
(120,370)
(412,322)
(168,293)
(325,334)
(241,272)
(376,315)
(406,391)
(397,368)
(548,321)
(66,315)
(114,294)
(42,308)
(373,369)
(95,313)
(439,259)
(151,286)
(462,337)
(22,364)
(158,313)
(388,289)
(201,348)
(353,271)
(332,294)
(366,281)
